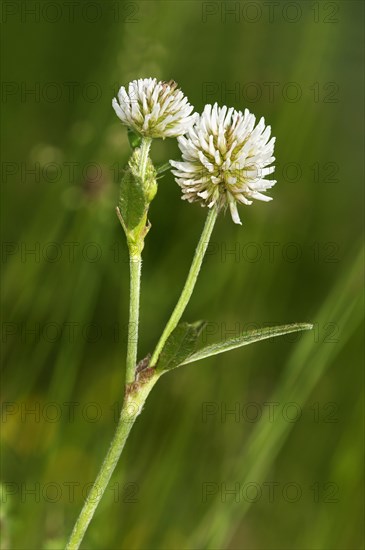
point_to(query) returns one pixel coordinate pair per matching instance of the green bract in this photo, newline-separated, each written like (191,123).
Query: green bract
(136,193)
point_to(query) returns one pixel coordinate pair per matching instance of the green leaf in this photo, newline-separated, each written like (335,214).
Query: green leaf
(180,345)
(132,201)
(163,168)
(135,140)
(247,338)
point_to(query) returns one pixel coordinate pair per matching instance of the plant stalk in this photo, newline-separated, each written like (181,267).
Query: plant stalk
(135,396)
(189,284)
(132,407)
(135,266)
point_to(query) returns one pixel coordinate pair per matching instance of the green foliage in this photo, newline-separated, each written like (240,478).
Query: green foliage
(136,194)
(180,345)
(134,139)
(162,168)
(243,340)
(132,201)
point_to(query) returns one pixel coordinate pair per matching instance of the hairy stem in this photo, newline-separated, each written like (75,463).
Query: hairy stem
(189,284)
(132,407)
(136,392)
(135,265)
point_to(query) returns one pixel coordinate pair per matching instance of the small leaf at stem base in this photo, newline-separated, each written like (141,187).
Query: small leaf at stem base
(180,345)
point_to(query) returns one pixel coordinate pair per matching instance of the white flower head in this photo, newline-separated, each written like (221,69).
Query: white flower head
(225,159)
(154,109)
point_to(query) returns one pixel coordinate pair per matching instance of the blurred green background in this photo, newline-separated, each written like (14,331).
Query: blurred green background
(292,451)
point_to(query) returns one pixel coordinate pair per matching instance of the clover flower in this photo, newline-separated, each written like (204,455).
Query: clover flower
(225,159)
(154,109)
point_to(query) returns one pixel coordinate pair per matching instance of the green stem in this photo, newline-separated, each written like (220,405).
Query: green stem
(135,396)
(135,265)
(132,407)
(189,284)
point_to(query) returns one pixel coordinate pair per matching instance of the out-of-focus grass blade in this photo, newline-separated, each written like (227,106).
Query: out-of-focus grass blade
(305,367)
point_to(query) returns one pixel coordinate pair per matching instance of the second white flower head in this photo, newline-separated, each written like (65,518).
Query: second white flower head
(225,159)
(154,109)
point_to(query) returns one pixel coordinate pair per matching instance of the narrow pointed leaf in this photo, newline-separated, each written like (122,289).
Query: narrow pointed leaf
(180,345)
(163,168)
(247,338)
